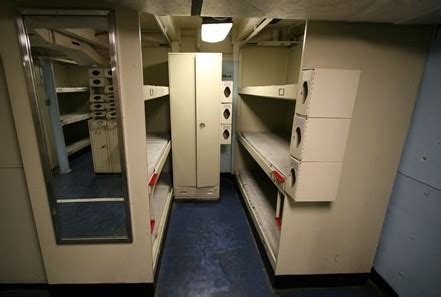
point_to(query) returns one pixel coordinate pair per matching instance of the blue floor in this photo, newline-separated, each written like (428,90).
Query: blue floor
(92,220)
(82,182)
(210,251)
(89,219)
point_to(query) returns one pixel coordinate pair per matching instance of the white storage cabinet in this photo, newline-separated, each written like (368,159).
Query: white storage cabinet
(195,86)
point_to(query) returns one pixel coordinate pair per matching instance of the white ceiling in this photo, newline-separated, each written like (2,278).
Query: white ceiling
(389,11)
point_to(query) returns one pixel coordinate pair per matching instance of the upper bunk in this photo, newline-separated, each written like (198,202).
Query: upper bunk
(271,61)
(152,92)
(285,92)
(269,67)
(271,151)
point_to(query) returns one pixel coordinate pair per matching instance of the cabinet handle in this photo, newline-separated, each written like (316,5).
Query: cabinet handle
(104,146)
(202,125)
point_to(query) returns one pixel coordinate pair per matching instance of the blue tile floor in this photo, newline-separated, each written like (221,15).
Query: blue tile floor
(82,182)
(210,251)
(89,219)
(92,220)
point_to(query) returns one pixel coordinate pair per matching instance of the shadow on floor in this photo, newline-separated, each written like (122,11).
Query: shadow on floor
(210,251)
(82,182)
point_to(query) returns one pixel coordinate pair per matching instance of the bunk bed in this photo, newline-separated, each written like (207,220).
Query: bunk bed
(159,183)
(263,131)
(271,151)
(258,195)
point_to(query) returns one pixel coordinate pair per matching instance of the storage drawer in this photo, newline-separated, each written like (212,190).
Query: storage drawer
(98,114)
(97,106)
(98,82)
(108,89)
(111,115)
(225,134)
(226,91)
(97,98)
(98,141)
(319,139)
(110,105)
(108,72)
(194,192)
(327,93)
(95,72)
(313,181)
(226,113)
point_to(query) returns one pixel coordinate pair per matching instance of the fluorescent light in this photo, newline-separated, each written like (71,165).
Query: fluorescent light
(215,32)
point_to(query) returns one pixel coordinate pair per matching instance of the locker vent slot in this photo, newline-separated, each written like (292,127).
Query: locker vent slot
(226,134)
(305,91)
(227,92)
(298,136)
(227,114)
(292,178)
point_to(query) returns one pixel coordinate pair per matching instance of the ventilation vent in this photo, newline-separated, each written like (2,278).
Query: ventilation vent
(227,114)
(292,178)
(227,92)
(304,91)
(226,134)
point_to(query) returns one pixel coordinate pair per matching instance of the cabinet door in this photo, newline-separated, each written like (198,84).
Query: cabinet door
(183,115)
(208,78)
(112,143)
(100,153)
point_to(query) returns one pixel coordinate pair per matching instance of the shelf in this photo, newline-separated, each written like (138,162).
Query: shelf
(161,203)
(153,92)
(271,151)
(260,198)
(158,149)
(71,118)
(77,146)
(72,90)
(285,92)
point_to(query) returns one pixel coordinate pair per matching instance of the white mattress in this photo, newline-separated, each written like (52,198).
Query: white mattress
(262,196)
(273,146)
(156,144)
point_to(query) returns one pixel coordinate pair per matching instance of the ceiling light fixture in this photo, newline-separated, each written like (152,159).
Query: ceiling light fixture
(215,29)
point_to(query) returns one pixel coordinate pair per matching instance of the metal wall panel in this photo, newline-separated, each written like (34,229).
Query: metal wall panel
(410,244)
(410,248)
(421,158)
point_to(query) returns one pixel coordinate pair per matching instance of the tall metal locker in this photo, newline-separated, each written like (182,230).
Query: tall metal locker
(195,80)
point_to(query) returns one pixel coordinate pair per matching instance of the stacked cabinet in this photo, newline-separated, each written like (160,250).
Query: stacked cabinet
(103,128)
(320,129)
(316,167)
(195,88)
